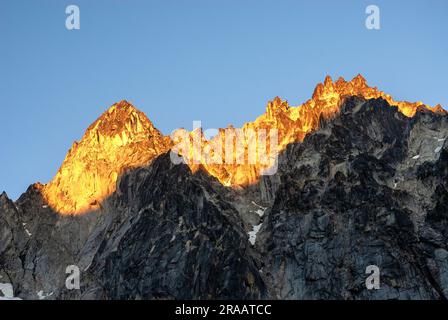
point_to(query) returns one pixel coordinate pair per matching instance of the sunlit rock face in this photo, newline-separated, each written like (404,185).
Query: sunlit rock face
(123,138)
(120,139)
(292,125)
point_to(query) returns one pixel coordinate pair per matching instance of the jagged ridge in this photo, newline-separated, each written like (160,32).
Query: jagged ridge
(124,137)
(367,187)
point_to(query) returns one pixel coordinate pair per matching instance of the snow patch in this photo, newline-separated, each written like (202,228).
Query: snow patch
(440,140)
(259,211)
(43,296)
(253,234)
(45,207)
(7,290)
(438,149)
(26,230)
(416,157)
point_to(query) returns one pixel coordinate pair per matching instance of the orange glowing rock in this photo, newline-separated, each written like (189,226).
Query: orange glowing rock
(121,138)
(124,138)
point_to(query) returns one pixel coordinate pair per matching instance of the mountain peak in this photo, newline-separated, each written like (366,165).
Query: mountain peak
(120,109)
(121,116)
(329,89)
(359,81)
(121,138)
(329,94)
(328,81)
(122,104)
(276,106)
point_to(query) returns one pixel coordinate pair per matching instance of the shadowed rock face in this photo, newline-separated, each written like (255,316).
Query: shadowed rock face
(184,240)
(165,233)
(351,195)
(367,188)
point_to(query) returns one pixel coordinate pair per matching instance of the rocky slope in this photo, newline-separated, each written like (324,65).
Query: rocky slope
(363,190)
(366,186)
(123,138)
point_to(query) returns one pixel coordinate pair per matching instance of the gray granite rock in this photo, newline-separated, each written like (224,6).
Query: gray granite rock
(353,194)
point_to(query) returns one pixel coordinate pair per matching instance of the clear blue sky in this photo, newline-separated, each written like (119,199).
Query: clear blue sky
(179,61)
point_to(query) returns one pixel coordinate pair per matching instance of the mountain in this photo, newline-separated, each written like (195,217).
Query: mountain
(121,138)
(361,180)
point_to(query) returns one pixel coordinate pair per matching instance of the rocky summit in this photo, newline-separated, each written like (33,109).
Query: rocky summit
(362,181)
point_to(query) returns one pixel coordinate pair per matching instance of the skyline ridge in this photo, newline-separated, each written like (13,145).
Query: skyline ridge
(123,137)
